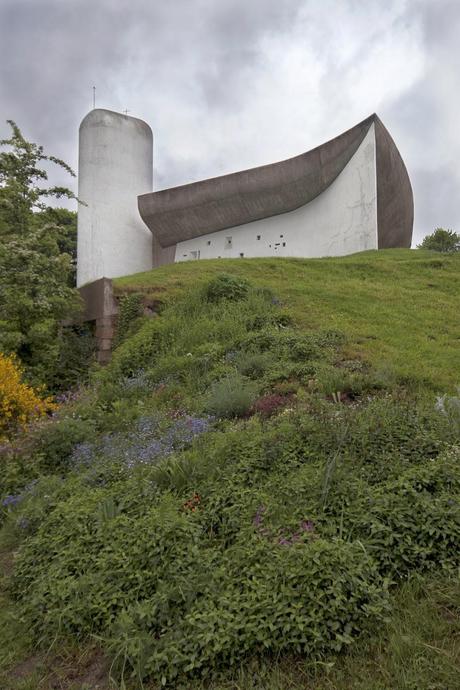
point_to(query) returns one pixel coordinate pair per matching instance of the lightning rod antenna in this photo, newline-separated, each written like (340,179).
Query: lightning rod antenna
(94,97)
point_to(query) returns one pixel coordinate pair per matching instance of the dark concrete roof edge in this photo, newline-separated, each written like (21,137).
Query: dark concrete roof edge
(367,121)
(200,208)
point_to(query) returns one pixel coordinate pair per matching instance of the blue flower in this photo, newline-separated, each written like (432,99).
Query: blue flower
(11,500)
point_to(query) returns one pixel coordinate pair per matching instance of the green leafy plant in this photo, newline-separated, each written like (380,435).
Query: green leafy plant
(231,397)
(226,287)
(130,308)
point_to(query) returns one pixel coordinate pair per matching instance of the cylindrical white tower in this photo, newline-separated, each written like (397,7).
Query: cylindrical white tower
(115,166)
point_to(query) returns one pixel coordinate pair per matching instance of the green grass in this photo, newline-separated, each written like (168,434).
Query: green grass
(399,308)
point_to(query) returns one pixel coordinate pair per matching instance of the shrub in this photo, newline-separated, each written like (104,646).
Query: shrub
(263,598)
(76,356)
(19,402)
(252,364)
(129,309)
(54,442)
(226,287)
(231,397)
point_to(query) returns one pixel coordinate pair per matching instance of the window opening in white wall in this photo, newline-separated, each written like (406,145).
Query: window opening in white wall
(258,237)
(281,235)
(284,244)
(228,243)
(209,242)
(195,254)
(241,254)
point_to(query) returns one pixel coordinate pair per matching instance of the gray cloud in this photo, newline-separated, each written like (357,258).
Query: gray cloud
(230,84)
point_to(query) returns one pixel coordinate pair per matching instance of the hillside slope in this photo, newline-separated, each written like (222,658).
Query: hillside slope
(399,308)
(260,490)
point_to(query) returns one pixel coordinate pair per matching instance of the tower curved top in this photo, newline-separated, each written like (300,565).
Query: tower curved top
(104,117)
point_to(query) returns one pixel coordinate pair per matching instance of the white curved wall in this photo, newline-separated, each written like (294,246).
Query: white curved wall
(342,220)
(115,166)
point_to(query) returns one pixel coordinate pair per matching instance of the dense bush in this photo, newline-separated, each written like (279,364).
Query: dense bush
(53,443)
(260,598)
(19,402)
(226,287)
(231,397)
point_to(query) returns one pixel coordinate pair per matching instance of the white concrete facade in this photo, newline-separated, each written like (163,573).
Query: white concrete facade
(115,166)
(341,220)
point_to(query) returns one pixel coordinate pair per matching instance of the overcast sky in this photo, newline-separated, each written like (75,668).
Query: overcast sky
(230,84)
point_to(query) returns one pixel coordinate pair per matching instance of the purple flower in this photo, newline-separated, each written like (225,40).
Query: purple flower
(258,517)
(11,500)
(66,397)
(82,454)
(307,526)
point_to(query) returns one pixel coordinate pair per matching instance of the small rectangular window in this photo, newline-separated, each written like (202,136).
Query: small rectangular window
(209,242)
(258,237)
(241,254)
(284,244)
(281,235)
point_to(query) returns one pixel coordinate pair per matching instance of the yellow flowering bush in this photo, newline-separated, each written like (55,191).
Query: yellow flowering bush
(19,403)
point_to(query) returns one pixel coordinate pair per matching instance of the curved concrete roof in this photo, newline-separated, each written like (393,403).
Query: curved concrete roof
(192,210)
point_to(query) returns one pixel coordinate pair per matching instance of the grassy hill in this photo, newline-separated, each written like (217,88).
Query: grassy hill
(259,491)
(399,308)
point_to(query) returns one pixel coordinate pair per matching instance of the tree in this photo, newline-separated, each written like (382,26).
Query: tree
(35,274)
(441,241)
(65,222)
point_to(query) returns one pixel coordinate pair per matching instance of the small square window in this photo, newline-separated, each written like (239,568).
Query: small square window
(258,237)
(241,254)
(281,235)
(209,242)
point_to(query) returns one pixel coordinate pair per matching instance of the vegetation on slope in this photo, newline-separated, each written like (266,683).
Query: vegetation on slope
(37,268)
(399,308)
(247,491)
